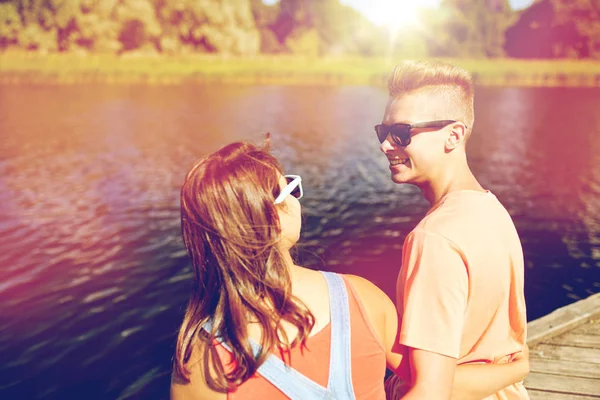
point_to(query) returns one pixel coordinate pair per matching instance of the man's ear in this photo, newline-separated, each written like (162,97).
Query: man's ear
(457,136)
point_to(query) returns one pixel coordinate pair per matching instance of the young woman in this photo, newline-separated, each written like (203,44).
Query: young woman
(258,326)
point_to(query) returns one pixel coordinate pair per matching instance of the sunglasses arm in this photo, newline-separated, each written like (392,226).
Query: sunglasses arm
(288,190)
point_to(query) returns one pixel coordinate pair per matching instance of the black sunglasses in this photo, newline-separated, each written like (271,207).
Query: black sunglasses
(401,132)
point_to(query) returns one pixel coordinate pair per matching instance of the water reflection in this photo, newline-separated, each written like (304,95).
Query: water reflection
(93,271)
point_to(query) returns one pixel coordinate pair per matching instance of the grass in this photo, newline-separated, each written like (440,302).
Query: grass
(281,69)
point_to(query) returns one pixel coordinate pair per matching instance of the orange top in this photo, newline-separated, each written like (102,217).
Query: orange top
(368,360)
(460,289)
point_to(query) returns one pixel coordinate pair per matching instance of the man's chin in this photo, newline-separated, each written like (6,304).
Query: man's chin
(399,179)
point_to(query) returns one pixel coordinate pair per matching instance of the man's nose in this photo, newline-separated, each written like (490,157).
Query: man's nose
(387,145)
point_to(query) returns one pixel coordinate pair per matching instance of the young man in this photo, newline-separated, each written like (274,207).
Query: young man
(460,289)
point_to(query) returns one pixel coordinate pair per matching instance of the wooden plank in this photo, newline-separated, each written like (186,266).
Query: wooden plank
(543,395)
(590,328)
(566,353)
(571,385)
(576,340)
(563,319)
(565,368)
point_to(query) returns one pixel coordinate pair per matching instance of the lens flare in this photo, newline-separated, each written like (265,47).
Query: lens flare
(397,13)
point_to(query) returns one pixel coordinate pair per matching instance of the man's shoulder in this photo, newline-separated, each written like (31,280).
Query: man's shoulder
(470,209)
(464,222)
(443,222)
(431,237)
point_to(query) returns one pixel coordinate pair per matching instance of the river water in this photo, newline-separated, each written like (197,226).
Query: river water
(93,274)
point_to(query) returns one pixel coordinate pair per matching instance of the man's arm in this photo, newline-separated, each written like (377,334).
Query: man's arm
(432,375)
(477,381)
(471,381)
(432,290)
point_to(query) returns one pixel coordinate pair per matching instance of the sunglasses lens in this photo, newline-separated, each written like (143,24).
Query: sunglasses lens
(296,192)
(401,135)
(381,132)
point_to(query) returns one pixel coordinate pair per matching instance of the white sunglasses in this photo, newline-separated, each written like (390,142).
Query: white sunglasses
(294,187)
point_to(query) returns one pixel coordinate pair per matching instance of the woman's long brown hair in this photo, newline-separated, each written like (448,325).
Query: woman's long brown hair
(231,231)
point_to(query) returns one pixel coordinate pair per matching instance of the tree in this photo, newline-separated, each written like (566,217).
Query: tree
(138,26)
(304,42)
(469,28)
(123,25)
(265,17)
(556,28)
(10,25)
(210,25)
(340,29)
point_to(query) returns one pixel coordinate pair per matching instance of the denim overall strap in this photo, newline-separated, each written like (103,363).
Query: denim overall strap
(289,381)
(340,365)
(297,386)
(208,327)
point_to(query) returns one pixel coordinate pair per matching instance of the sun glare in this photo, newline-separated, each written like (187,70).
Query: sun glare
(397,13)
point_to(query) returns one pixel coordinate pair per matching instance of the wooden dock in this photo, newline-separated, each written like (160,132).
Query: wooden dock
(565,353)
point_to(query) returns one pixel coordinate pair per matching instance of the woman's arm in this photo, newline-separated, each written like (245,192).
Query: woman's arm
(477,381)
(384,319)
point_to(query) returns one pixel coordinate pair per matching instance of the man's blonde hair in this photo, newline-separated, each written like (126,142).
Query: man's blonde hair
(451,83)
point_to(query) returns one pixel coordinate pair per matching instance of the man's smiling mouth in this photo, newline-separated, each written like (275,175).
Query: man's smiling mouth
(398,161)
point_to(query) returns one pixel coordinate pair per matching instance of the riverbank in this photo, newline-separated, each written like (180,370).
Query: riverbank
(33,68)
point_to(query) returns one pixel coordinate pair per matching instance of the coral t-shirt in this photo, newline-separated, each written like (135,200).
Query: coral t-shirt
(460,288)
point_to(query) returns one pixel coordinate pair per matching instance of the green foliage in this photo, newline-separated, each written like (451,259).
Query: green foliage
(265,16)
(10,25)
(343,30)
(304,42)
(115,26)
(459,28)
(406,43)
(469,28)
(208,26)
(557,29)
(340,29)
(269,44)
(33,37)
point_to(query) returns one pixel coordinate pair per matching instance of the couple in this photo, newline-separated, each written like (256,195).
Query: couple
(258,326)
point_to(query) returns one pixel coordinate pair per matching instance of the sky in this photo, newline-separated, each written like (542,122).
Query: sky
(390,12)
(381,11)
(363,5)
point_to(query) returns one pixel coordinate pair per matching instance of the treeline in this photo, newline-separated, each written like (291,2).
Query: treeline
(458,28)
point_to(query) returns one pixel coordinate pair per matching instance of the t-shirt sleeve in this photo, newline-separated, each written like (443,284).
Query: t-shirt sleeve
(433,290)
